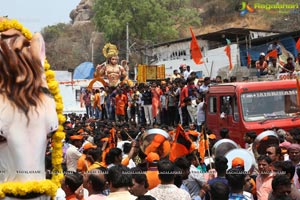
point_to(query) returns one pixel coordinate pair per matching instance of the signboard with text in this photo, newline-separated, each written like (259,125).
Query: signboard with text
(151,72)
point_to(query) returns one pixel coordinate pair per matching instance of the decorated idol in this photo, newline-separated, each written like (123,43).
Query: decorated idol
(29,110)
(111,70)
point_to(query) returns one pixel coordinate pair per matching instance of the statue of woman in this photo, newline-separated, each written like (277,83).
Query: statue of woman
(27,109)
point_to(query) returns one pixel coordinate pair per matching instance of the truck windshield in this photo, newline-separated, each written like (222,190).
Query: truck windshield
(264,105)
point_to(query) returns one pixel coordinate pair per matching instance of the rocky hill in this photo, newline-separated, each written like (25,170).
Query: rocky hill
(215,15)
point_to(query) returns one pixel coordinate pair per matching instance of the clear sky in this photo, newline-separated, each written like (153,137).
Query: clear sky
(37,14)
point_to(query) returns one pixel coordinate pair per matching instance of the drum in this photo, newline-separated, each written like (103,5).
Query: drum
(249,160)
(156,140)
(263,140)
(223,146)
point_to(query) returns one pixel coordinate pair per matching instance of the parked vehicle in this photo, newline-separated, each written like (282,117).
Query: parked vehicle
(252,106)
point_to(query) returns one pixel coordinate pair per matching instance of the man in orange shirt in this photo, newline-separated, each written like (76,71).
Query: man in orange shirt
(121,101)
(97,105)
(182,106)
(152,171)
(82,163)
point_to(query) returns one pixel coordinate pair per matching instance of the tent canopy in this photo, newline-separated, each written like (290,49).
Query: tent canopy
(84,71)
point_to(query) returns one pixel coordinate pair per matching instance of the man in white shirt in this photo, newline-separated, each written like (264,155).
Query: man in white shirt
(200,113)
(73,154)
(166,189)
(102,103)
(204,87)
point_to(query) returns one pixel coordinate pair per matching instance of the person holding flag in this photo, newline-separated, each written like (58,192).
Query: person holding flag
(182,144)
(275,46)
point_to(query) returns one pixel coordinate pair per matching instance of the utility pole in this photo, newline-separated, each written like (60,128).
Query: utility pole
(93,52)
(127,42)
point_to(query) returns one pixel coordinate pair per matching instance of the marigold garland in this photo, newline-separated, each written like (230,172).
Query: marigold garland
(47,187)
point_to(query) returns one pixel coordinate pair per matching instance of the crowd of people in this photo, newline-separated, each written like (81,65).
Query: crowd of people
(272,65)
(105,160)
(176,99)
(104,152)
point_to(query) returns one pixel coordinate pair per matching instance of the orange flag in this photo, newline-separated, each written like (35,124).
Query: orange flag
(272,54)
(203,144)
(195,49)
(112,138)
(182,144)
(248,59)
(298,91)
(298,45)
(228,53)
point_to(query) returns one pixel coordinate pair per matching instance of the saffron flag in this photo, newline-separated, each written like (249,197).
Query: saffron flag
(182,144)
(195,49)
(298,45)
(112,138)
(248,59)
(228,53)
(298,91)
(272,54)
(203,144)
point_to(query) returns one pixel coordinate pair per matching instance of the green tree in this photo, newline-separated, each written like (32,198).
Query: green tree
(153,20)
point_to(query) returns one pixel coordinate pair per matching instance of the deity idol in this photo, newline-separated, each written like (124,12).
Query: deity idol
(111,70)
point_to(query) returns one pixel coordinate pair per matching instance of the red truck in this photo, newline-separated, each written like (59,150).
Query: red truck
(252,106)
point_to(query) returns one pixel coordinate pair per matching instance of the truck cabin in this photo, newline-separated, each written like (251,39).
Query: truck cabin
(252,106)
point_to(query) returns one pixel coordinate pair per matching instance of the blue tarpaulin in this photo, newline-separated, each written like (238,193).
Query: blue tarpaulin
(287,42)
(84,71)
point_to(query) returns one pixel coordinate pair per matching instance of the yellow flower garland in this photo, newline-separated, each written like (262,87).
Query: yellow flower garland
(47,187)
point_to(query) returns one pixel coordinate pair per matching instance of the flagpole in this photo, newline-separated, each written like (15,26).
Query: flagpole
(211,68)
(206,69)
(208,151)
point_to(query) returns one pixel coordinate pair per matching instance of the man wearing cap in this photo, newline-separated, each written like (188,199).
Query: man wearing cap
(152,171)
(250,186)
(73,154)
(82,163)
